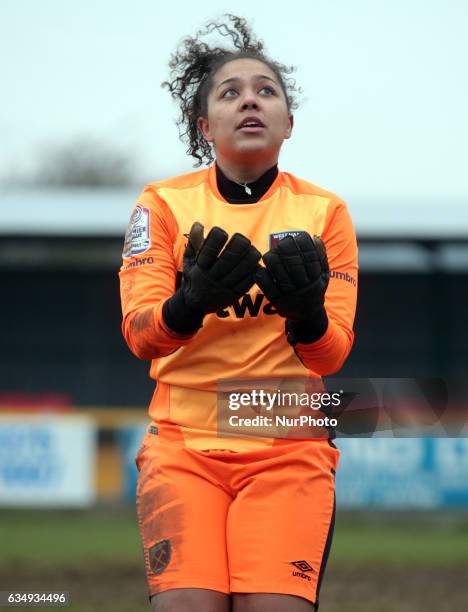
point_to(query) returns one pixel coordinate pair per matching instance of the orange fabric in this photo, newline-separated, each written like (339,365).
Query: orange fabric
(231,521)
(246,341)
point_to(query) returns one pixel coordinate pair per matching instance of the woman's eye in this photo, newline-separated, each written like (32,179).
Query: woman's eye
(229,93)
(269,90)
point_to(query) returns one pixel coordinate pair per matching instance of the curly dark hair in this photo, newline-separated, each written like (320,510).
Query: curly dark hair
(193,67)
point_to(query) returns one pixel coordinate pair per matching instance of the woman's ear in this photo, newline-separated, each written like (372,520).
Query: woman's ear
(204,128)
(289,126)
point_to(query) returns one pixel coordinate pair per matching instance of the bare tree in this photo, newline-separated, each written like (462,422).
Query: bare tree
(85,163)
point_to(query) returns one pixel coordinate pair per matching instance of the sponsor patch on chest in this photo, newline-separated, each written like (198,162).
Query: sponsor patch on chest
(277,236)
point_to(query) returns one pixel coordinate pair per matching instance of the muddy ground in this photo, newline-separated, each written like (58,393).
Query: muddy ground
(361,588)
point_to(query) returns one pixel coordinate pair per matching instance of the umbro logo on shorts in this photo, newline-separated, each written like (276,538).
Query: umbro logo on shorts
(159,556)
(304,567)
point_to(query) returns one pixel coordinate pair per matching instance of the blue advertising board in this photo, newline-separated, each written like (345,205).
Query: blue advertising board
(130,438)
(385,473)
(402,473)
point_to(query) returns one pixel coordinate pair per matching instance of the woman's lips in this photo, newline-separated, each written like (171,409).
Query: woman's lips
(253,129)
(251,125)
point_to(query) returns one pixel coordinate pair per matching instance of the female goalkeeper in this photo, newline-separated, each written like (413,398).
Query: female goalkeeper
(225,281)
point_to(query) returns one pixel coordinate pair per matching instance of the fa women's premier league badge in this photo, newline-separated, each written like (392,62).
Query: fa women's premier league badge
(137,236)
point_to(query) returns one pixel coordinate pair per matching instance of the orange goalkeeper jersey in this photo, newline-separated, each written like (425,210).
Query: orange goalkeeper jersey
(245,341)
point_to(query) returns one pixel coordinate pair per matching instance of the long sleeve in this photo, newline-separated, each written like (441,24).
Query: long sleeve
(148,278)
(327,355)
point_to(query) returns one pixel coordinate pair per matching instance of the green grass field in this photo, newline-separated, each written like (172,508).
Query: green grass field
(379,562)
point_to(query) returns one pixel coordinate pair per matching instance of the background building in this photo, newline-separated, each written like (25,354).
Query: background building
(60,252)
(84,125)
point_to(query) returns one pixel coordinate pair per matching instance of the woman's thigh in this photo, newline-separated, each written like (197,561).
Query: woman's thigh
(280,526)
(182,518)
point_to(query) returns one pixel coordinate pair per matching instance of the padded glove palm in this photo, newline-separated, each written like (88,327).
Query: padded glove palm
(213,277)
(214,280)
(294,280)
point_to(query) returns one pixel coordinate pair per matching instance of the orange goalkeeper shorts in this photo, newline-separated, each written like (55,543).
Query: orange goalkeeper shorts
(257,521)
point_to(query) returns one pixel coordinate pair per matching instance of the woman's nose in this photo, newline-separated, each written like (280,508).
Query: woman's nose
(249,101)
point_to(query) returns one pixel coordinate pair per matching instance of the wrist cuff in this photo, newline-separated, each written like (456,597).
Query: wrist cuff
(307,331)
(179,317)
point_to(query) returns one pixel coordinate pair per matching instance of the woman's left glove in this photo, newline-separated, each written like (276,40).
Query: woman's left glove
(294,280)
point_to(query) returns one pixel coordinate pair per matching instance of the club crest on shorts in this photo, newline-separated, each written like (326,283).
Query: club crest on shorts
(277,236)
(159,556)
(137,236)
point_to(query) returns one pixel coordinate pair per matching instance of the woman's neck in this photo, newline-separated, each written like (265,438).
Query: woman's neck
(246,172)
(245,193)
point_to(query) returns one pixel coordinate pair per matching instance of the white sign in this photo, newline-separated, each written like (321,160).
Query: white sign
(47,461)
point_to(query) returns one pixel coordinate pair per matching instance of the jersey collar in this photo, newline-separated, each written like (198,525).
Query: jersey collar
(226,190)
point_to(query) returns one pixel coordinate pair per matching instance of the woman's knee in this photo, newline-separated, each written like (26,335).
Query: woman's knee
(273,602)
(190,600)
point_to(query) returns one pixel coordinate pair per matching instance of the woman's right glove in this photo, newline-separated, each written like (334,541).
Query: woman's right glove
(212,280)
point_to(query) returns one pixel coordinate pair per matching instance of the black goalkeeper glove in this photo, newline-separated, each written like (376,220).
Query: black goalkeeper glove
(294,280)
(211,280)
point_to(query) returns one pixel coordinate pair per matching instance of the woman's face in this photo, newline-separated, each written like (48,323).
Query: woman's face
(247,112)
